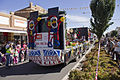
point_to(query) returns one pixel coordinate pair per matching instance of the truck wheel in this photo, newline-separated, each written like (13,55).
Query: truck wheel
(65,63)
(30,60)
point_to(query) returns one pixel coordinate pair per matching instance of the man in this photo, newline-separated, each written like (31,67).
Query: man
(8,52)
(117,51)
(112,45)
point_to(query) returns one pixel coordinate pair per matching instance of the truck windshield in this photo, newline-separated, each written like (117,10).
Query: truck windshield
(42,26)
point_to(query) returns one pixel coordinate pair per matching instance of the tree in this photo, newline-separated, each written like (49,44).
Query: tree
(102,12)
(114,33)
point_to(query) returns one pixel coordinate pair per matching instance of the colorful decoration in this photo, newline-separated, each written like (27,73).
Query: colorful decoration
(39,18)
(31,30)
(50,57)
(31,25)
(53,25)
(48,23)
(53,20)
(62,19)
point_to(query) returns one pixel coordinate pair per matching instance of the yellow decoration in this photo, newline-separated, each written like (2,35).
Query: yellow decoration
(30,32)
(53,22)
(49,23)
(31,25)
(62,19)
(39,18)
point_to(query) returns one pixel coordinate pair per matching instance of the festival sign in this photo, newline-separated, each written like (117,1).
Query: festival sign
(46,56)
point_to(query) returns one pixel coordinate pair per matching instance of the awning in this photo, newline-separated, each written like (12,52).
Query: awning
(12,31)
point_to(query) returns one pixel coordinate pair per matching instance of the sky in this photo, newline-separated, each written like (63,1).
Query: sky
(77,17)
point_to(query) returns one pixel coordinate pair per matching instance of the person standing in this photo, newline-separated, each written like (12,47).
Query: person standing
(3,48)
(117,50)
(7,54)
(25,50)
(15,56)
(18,49)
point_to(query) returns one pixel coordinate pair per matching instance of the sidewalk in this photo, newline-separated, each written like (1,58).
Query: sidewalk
(1,66)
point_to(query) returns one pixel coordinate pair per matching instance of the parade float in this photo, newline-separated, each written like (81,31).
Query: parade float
(47,39)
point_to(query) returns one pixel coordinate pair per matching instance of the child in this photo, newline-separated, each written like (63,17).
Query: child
(22,54)
(15,56)
(25,51)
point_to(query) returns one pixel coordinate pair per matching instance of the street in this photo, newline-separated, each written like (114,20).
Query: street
(31,71)
(60,40)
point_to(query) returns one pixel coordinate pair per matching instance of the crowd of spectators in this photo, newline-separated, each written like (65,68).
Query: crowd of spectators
(112,47)
(12,53)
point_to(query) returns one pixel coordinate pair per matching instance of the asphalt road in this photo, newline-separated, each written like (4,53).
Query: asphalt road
(31,71)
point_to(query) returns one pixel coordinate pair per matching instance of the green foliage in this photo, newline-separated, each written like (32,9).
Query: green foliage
(102,12)
(79,75)
(107,70)
(114,33)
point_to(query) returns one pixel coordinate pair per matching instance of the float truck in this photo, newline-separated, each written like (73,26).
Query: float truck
(46,39)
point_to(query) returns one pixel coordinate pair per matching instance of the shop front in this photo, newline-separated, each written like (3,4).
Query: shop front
(12,28)
(12,37)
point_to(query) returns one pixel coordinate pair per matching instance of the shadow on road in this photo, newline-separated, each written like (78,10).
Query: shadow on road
(29,68)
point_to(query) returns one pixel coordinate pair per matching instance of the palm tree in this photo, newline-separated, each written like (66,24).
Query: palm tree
(102,12)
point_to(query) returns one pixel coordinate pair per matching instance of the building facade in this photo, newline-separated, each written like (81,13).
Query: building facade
(12,28)
(31,8)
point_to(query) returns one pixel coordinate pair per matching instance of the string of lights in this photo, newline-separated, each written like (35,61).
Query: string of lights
(88,21)
(81,8)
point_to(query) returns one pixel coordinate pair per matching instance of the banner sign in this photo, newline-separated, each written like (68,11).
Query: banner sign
(20,23)
(46,56)
(42,40)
